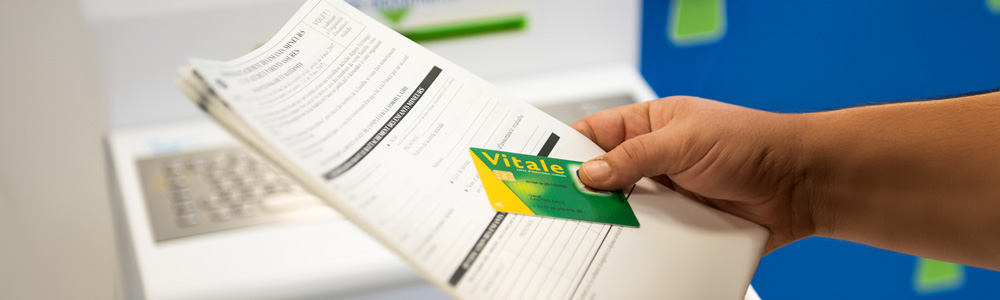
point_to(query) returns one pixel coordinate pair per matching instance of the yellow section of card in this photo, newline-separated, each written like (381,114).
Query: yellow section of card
(501,197)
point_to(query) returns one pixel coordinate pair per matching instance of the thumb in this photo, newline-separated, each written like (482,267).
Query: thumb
(645,155)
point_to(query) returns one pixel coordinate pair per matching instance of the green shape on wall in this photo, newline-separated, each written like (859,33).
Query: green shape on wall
(696,22)
(993,6)
(395,14)
(934,276)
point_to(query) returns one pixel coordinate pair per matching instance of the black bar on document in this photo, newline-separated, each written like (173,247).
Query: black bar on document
(387,127)
(477,248)
(550,143)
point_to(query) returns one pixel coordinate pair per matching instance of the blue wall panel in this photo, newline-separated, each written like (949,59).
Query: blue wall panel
(799,56)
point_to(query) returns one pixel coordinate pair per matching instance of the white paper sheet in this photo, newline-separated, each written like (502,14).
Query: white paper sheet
(380,128)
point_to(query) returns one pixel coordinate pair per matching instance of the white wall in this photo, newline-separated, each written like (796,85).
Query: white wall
(142,42)
(55,230)
(18,278)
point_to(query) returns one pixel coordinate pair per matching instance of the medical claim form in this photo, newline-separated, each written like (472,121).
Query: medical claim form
(380,128)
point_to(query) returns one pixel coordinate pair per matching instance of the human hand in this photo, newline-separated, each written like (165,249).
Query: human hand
(742,161)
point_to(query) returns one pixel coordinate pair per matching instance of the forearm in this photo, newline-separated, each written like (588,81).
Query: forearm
(921,178)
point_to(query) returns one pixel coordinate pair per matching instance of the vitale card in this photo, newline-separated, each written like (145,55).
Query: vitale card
(545,186)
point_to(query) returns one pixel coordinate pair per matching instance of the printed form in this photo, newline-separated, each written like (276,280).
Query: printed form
(385,126)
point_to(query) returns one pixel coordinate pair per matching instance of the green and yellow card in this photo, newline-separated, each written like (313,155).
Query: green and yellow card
(544,186)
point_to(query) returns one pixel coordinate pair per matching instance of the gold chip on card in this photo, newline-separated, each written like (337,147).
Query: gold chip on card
(503,175)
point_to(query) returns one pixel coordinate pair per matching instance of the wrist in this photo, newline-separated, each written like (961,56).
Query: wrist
(794,153)
(815,169)
(843,160)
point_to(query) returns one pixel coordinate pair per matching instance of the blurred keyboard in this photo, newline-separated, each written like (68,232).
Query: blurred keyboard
(214,190)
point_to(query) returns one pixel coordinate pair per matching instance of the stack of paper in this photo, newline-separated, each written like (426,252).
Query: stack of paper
(380,128)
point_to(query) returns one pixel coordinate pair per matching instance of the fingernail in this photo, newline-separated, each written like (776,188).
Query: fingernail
(597,170)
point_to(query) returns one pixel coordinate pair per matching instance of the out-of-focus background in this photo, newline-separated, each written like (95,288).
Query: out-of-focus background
(87,105)
(56,240)
(800,56)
